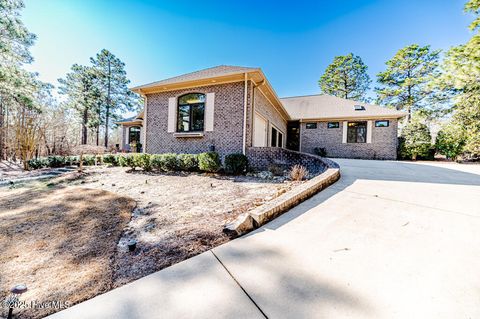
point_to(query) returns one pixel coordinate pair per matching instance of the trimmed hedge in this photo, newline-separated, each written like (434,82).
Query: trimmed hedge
(209,162)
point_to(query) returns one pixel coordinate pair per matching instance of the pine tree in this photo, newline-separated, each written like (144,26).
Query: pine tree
(80,87)
(113,84)
(346,77)
(405,82)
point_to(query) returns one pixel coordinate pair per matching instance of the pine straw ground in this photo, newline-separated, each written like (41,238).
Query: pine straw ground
(65,237)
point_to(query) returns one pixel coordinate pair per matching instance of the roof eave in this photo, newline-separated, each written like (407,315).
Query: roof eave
(360,117)
(210,80)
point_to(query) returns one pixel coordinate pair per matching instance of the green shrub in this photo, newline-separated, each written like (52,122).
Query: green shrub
(88,160)
(169,162)
(56,161)
(37,163)
(71,160)
(320,151)
(451,141)
(236,163)
(209,162)
(143,160)
(416,141)
(156,161)
(110,159)
(188,162)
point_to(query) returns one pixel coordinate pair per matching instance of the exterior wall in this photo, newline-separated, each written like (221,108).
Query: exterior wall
(383,145)
(263,106)
(227,134)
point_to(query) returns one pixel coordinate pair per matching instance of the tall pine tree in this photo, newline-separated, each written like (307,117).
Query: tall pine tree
(113,84)
(346,77)
(405,82)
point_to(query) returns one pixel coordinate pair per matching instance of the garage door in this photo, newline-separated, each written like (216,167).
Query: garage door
(259,131)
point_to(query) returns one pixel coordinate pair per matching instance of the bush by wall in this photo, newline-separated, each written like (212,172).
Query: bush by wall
(236,163)
(209,162)
(188,162)
(320,151)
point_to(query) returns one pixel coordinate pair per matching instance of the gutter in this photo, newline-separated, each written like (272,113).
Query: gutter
(244,137)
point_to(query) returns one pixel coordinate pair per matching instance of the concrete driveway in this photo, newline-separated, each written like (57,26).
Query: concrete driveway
(389,240)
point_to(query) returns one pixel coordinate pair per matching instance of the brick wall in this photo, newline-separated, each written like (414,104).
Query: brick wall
(261,158)
(263,106)
(227,134)
(383,146)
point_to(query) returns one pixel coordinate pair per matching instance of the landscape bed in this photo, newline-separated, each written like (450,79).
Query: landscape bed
(74,228)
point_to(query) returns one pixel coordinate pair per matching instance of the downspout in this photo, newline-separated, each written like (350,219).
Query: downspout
(144,124)
(244,144)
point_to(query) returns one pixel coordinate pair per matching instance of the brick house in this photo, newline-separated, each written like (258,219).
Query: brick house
(231,109)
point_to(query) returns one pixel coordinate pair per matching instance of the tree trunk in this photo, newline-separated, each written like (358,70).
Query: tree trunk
(98,134)
(107,110)
(2,133)
(84,126)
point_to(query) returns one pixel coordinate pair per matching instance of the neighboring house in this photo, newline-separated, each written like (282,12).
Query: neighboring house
(231,109)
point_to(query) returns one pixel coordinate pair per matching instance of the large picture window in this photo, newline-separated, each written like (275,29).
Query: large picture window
(357,132)
(191,112)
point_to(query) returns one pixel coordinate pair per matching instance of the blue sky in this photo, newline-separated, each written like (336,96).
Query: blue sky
(292,42)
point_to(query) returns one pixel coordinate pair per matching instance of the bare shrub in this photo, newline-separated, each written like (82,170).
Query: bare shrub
(298,173)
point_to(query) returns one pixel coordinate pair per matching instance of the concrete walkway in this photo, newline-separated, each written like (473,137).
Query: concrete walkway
(389,240)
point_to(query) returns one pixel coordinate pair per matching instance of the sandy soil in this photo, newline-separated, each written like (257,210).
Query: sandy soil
(66,237)
(60,242)
(179,215)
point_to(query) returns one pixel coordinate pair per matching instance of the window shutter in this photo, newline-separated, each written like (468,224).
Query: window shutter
(209,111)
(344,134)
(369,132)
(172,106)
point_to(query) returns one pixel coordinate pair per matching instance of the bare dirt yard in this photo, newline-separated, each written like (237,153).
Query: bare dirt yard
(66,237)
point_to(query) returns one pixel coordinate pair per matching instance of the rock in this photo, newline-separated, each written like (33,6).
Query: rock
(241,225)
(149,227)
(265,175)
(113,184)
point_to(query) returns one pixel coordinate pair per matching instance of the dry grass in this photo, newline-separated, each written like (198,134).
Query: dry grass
(298,173)
(60,242)
(65,237)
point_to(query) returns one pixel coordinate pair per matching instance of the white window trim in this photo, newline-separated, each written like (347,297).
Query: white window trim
(278,131)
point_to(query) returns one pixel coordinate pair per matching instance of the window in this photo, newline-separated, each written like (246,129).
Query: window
(333,125)
(276,138)
(311,125)
(133,134)
(357,132)
(191,112)
(382,123)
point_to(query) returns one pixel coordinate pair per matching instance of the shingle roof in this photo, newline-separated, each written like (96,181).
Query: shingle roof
(220,70)
(128,119)
(330,107)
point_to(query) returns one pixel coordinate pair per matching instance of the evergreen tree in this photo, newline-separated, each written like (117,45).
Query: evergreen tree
(80,87)
(113,84)
(405,82)
(346,77)
(461,79)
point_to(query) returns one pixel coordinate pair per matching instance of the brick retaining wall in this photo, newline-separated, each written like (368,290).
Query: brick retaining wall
(262,158)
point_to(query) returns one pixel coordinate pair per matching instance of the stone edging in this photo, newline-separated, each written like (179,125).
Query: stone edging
(265,213)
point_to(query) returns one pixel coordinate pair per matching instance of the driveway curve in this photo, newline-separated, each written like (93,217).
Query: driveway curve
(388,240)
